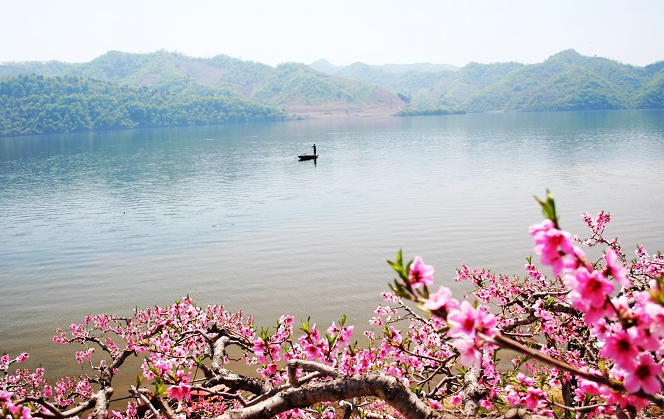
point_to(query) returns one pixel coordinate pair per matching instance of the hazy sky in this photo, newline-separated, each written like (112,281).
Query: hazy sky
(342,31)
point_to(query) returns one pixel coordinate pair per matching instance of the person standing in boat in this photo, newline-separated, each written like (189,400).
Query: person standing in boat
(314,147)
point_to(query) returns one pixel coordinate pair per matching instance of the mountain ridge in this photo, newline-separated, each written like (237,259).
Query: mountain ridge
(288,85)
(565,81)
(588,83)
(325,66)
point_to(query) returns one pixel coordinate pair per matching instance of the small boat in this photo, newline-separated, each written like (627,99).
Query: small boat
(308,157)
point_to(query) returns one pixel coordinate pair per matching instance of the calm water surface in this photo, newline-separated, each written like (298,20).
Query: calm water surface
(110,221)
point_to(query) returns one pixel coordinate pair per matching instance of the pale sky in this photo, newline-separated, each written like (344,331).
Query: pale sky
(341,31)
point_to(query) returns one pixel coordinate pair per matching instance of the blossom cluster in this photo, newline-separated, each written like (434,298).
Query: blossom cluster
(591,331)
(628,324)
(603,320)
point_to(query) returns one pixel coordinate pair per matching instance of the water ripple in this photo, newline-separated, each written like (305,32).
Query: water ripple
(110,221)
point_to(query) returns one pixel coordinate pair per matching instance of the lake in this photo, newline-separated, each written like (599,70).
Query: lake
(109,221)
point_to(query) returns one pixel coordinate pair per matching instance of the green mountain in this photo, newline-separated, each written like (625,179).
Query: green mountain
(565,81)
(325,66)
(44,68)
(652,94)
(37,104)
(198,91)
(289,84)
(119,90)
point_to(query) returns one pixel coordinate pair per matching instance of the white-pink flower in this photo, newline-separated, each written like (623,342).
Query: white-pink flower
(588,289)
(621,346)
(533,397)
(435,405)
(441,301)
(468,320)
(644,376)
(615,267)
(420,274)
(180,392)
(457,398)
(552,244)
(656,313)
(469,354)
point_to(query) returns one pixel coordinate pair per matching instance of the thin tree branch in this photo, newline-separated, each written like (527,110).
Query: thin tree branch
(507,343)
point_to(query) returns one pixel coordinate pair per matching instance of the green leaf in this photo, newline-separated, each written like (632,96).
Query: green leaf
(398,289)
(159,387)
(425,292)
(657,292)
(265,334)
(406,343)
(549,208)
(306,326)
(542,380)
(602,367)
(398,266)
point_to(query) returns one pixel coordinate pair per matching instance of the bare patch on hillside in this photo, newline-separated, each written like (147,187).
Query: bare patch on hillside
(201,72)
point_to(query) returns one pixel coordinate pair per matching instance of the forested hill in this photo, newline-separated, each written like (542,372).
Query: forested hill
(163,88)
(288,84)
(118,90)
(37,104)
(565,81)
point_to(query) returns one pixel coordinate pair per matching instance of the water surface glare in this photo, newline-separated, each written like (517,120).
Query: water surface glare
(109,221)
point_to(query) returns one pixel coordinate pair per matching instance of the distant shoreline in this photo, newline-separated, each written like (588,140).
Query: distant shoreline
(328,112)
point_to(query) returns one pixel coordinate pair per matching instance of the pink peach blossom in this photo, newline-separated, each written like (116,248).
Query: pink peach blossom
(435,405)
(441,301)
(551,244)
(533,398)
(622,347)
(588,289)
(469,354)
(457,398)
(615,268)
(644,376)
(420,274)
(180,392)
(468,320)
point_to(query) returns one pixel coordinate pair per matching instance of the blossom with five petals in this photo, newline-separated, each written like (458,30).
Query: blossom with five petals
(419,273)
(552,244)
(644,376)
(441,302)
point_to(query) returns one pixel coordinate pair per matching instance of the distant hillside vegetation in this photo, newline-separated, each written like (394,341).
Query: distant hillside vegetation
(566,81)
(37,104)
(289,84)
(325,66)
(118,90)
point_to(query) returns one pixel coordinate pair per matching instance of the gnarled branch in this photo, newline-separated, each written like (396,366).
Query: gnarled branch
(385,387)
